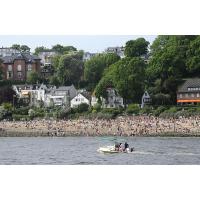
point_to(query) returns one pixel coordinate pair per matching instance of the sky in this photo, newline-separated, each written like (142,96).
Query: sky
(90,43)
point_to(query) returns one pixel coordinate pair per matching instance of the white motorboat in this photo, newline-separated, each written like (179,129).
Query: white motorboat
(111,149)
(107,149)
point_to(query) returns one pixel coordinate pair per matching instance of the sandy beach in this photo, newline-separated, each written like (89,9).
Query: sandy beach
(121,126)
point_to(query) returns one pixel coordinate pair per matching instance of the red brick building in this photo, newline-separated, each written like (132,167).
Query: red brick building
(18,66)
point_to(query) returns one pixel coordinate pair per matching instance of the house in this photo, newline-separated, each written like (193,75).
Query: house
(146,99)
(94,99)
(46,62)
(79,99)
(88,56)
(118,50)
(46,56)
(32,95)
(113,100)
(60,96)
(189,92)
(49,95)
(7,51)
(18,66)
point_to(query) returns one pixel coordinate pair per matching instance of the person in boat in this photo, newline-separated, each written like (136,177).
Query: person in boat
(117,145)
(121,147)
(126,147)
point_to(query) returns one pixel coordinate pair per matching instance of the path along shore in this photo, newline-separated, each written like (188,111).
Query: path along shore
(121,126)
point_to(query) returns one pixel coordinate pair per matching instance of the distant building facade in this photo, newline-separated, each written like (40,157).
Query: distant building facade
(7,51)
(189,92)
(19,65)
(48,95)
(113,100)
(79,99)
(88,56)
(117,50)
(60,96)
(46,57)
(146,99)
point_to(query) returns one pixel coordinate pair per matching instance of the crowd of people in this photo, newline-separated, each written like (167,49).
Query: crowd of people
(121,126)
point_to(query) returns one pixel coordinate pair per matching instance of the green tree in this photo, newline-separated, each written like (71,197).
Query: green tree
(127,76)
(6,94)
(54,80)
(70,69)
(39,49)
(94,68)
(33,78)
(24,48)
(63,49)
(16,46)
(193,57)
(1,70)
(168,63)
(136,47)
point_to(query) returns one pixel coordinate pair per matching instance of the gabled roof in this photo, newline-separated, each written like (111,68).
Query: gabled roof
(87,97)
(20,56)
(189,83)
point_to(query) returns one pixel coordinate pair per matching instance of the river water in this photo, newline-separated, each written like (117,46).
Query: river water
(83,150)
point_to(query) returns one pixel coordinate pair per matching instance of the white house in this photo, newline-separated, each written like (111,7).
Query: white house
(60,96)
(32,94)
(117,50)
(79,99)
(146,99)
(88,56)
(94,100)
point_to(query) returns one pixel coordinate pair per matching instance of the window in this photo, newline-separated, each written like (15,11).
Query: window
(197,94)
(9,74)
(186,95)
(29,67)
(19,68)
(192,94)
(19,75)
(9,67)
(180,95)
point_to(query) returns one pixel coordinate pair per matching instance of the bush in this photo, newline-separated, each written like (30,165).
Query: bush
(146,110)
(97,107)
(20,117)
(83,107)
(133,109)
(7,106)
(4,113)
(21,111)
(31,113)
(159,110)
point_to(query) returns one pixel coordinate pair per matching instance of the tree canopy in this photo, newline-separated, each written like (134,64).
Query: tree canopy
(126,76)
(22,48)
(172,59)
(135,48)
(70,69)
(94,68)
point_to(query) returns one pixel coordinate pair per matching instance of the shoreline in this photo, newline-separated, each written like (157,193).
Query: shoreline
(132,126)
(17,133)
